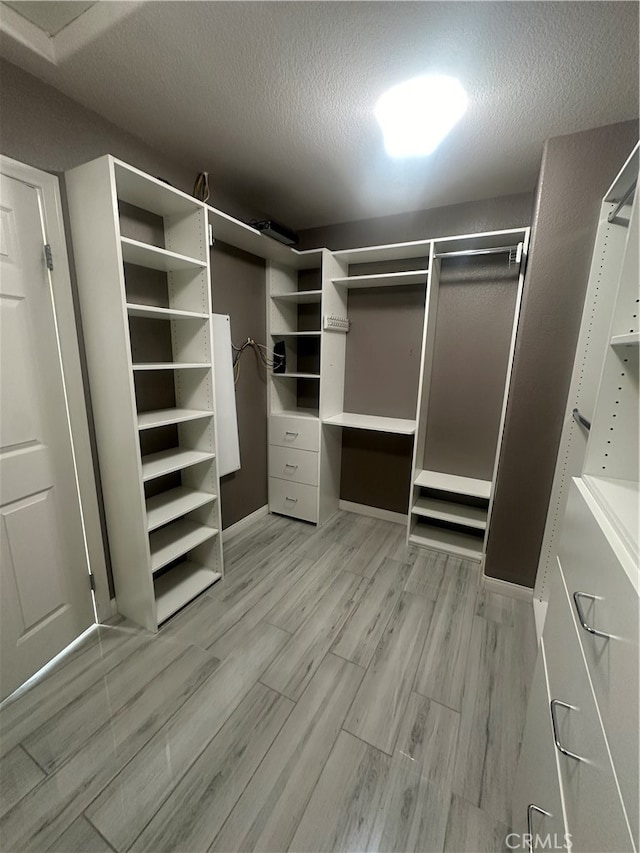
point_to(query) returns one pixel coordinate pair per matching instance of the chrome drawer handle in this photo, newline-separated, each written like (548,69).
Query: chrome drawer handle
(554,722)
(533,808)
(293,500)
(289,465)
(583,620)
(294,434)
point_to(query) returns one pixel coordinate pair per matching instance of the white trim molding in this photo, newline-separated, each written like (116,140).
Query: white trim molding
(48,189)
(511,590)
(373,512)
(244,524)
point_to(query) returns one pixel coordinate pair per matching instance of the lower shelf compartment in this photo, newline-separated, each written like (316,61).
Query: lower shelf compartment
(455,513)
(464,545)
(179,586)
(171,542)
(174,503)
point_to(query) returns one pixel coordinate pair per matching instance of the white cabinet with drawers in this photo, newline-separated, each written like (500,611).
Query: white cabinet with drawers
(587,708)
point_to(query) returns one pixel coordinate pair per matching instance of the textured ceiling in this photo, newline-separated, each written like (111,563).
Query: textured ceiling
(275,99)
(50,17)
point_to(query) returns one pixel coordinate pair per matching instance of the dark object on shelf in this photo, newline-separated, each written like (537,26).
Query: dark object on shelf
(274,229)
(279,357)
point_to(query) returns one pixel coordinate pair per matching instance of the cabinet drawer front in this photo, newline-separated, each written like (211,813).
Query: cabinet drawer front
(298,466)
(301,433)
(537,780)
(294,499)
(595,816)
(590,566)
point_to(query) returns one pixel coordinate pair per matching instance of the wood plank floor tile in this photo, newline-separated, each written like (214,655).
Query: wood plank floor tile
(64,733)
(108,649)
(428,738)
(194,812)
(81,836)
(20,774)
(361,633)
(377,712)
(385,538)
(441,669)
(429,570)
(345,530)
(495,607)
(350,790)
(493,715)
(38,819)
(470,830)
(296,604)
(126,805)
(271,806)
(293,669)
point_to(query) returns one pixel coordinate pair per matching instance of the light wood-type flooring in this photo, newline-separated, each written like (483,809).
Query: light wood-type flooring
(334,692)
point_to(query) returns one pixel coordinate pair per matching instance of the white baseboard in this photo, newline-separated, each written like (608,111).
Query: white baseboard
(244,523)
(373,512)
(511,590)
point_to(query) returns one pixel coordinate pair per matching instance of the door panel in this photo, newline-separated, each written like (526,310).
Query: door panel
(44,585)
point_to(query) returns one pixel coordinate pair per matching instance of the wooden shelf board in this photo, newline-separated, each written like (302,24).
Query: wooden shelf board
(392,279)
(624,340)
(229,230)
(372,422)
(178,587)
(620,502)
(167,461)
(169,505)
(296,334)
(171,365)
(141,190)
(311,414)
(469,516)
(153,313)
(389,252)
(166,417)
(438,539)
(154,258)
(171,542)
(454,483)
(300,296)
(296,375)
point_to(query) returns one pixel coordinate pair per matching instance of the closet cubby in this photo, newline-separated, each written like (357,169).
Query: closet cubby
(142,257)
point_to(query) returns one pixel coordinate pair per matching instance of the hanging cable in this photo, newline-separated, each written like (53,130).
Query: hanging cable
(267,358)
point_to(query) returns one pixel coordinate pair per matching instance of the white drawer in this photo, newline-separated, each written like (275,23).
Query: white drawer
(594,812)
(298,466)
(590,566)
(537,781)
(301,433)
(294,499)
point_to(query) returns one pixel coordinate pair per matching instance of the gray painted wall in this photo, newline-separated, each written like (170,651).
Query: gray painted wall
(576,171)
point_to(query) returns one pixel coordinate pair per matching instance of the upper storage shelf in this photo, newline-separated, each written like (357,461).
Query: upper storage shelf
(390,252)
(299,296)
(453,483)
(152,257)
(375,423)
(141,190)
(391,279)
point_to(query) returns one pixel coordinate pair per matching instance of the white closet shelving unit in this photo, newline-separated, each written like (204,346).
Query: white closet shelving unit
(157,464)
(578,770)
(449,511)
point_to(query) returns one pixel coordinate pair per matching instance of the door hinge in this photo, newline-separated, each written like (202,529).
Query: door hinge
(48,256)
(92,582)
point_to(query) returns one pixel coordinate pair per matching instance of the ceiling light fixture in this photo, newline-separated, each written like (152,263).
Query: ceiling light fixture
(415,116)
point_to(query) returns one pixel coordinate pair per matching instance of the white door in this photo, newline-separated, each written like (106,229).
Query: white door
(45,598)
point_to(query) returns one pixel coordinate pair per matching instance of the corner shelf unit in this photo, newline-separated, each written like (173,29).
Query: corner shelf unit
(142,258)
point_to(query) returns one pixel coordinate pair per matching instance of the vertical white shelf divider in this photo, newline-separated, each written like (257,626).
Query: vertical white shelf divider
(149,589)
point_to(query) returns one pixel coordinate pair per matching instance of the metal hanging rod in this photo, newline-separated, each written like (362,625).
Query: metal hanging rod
(580,419)
(613,216)
(498,250)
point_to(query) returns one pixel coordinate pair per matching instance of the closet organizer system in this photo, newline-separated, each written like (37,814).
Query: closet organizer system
(142,255)
(578,768)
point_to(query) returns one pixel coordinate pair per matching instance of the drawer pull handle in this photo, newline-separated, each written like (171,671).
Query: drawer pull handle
(293,500)
(533,808)
(554,722)
(294,434)
(290,465)
(583,620)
